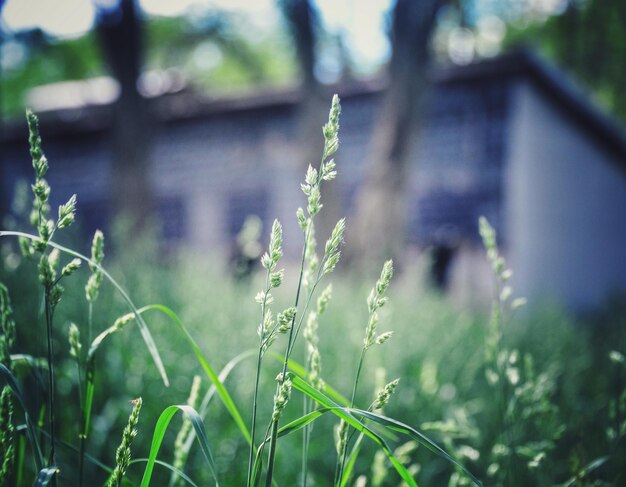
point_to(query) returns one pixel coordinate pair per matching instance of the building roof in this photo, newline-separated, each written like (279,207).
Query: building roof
(574,103)
(186,104)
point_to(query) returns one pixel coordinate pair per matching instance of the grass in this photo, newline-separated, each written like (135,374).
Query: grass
(532,400)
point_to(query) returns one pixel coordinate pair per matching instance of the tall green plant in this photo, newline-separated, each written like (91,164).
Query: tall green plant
(312,190)
(320,398)
(7,428)
(48,259)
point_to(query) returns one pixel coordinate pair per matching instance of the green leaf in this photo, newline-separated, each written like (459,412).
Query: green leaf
(90,387)
(88,457)
(224,373)
(21,454)
(159,432)
(415,435)
(45,476)
(258,465)
(301,422)
(349,468)
(143,328)
(597,463)
(9,378)
(221,390)
(344,413)
(299,370)
(25,360)
(177,471)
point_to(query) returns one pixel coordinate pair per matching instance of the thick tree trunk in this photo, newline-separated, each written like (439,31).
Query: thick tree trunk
(121,38)
(377,230)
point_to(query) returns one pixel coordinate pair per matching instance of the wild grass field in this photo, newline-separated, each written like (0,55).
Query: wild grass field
(502,397)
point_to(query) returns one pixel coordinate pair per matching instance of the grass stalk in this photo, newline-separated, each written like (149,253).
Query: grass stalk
(81,420)
(254,413)
(266,330)
(311,188)
(306,439)
(341,460)
(274,423)
(51,385)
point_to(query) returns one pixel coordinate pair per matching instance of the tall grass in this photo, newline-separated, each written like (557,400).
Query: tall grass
(474,401)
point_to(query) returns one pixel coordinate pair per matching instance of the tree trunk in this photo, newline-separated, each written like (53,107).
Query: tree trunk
(121,36)
(377,230)
(312,111)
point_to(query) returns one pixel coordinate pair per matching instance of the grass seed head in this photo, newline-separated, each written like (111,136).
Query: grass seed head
(384,395)
(122,455)
(324,299)
(281,399)
(383,337)
(276,278)
(97,255)
(331,129)
(67,213)
(70,268)
(285,319)
(40,162)
(74,339)
(331,251)
(341,438)
(47,274)
(122,321)
(7,435)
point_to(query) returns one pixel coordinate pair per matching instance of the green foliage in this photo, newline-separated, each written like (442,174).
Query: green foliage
(213,51)
(499,394)
(122,455)
(47,61)
(586,38)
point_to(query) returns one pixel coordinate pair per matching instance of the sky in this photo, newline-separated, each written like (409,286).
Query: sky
(361,22)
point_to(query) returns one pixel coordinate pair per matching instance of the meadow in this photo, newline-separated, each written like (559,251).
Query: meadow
(307,375)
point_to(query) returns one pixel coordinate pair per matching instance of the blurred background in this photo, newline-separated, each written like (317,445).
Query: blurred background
(195,115)
(185,127)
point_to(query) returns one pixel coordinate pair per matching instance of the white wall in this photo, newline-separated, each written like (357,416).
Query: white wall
(565,207)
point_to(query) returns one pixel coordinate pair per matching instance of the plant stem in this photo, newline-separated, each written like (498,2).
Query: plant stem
(305,437)
(342,461)
(254,412)
(262,339)
(272,452)
(90,323)
(52,460)
(81,456)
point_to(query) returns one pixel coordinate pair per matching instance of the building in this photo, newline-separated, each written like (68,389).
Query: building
(508,138)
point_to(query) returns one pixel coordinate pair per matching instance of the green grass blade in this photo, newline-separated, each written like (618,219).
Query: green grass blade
(21,454)
(301,385)
(88,457)
(170,467)
(90,387)
(223,375)
(597,463)
(159,432)
(300,371)
(45,476)
(9,378)
(206,400)
(143,328)
(221,390)
(301,422)
(415,435)
(25,360)
(349,467)
(258,465)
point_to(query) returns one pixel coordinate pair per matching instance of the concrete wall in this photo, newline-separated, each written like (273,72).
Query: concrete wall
(565,207)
